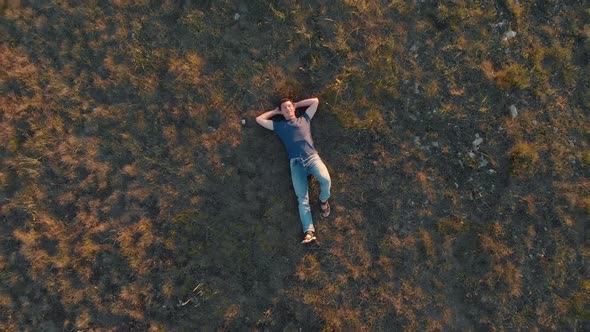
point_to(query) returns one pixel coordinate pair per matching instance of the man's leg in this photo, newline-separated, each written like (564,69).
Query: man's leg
(299,178)
(318,169)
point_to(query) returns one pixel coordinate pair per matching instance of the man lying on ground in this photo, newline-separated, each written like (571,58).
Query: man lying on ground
(303,158)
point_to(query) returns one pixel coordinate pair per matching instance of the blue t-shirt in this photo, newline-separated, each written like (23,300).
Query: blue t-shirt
(296,135)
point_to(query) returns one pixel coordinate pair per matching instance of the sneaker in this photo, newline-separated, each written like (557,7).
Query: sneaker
(325,206)
(309,237)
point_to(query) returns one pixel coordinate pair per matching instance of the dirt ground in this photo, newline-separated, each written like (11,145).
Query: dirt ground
(137,191)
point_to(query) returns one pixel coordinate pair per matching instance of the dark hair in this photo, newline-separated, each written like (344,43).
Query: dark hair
(286,99)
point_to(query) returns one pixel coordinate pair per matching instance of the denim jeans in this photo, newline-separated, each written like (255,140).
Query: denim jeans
(300,169)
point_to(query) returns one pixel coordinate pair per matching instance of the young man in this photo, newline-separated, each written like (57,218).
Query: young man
(303,158)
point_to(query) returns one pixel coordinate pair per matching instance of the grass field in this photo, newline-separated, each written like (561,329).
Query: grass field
(132,196)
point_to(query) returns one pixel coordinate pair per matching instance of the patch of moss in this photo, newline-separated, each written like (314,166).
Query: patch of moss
(524,157)
(514,76)
(586,205)
(452,224)
(581,301)
(188,231)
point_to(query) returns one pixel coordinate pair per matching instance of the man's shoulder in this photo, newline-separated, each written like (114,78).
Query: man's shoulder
(278,125)
(304,117)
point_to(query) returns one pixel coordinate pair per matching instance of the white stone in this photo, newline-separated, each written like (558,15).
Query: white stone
(509,34)
(482,163)
(477,142)
(513,111)
(236,16)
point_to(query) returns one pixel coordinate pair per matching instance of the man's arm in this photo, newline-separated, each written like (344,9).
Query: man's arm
(264,118)
(311,104)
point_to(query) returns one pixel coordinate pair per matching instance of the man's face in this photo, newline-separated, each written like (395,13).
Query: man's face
(287,108)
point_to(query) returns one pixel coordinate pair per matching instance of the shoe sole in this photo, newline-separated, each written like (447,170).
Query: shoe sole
(309,241)
(323,211)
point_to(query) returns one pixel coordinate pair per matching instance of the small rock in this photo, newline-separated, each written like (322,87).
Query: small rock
(243,122)
(482,163)
(477,142)
(509,35)
(491,171)
(499,24)
(572,142)
(471,155)
(435,144)
(236,16)
(513,111)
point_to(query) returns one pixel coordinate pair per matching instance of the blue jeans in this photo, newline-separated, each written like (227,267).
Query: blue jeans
(300,169)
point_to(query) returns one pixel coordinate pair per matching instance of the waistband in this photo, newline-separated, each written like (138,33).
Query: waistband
(305,161)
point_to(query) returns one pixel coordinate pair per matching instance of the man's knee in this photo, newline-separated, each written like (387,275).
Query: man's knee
(325,180)
(303,199)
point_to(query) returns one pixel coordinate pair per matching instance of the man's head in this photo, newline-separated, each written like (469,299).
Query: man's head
(287,108)
(284,103)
